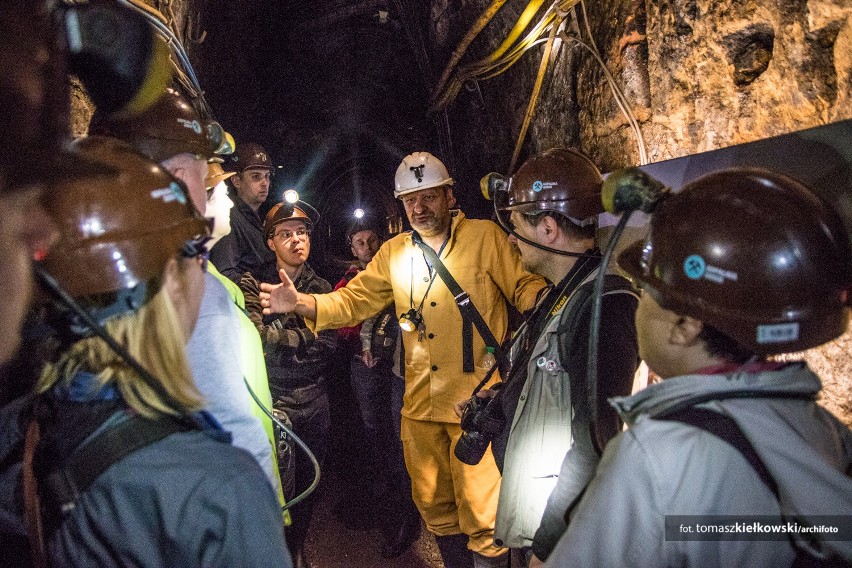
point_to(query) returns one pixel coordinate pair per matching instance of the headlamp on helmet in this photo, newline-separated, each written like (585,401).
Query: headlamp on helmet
(753,253)
(280,212)
(170,127)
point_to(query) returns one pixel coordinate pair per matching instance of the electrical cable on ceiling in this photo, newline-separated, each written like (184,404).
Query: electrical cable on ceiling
(542,69)
(620,99)
(511,50)
(461,48)
(183,68)
(506,55)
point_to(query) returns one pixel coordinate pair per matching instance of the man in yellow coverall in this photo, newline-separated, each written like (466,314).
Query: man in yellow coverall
(457,501)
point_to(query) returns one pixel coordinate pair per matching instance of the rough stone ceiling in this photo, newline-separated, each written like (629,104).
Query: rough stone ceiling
(332,89)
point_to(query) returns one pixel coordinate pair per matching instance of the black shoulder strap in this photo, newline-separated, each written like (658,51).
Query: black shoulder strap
(569,324)
(725,428)
(64,485)
(466,307)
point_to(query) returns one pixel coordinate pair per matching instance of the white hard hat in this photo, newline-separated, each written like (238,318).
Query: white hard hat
(420,170)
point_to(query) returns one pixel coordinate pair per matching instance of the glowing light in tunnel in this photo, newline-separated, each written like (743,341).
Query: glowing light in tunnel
(291,196)
(359,213)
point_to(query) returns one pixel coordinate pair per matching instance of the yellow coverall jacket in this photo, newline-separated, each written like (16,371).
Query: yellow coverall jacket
(452,497)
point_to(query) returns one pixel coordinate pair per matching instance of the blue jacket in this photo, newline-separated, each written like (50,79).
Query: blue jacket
(190,499)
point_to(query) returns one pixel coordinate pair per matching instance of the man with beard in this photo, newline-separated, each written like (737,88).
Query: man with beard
(443,356)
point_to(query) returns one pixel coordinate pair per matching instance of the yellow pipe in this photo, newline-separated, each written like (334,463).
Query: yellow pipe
(441,98)
(545,59)
(501,59)
(522,23)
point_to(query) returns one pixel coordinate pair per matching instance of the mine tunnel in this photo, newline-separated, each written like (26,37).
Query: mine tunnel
(339,91)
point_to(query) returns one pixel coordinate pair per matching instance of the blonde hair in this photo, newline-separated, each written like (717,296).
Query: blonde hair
(154,337)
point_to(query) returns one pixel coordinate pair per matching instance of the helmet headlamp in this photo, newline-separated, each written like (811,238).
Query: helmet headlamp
(220,139)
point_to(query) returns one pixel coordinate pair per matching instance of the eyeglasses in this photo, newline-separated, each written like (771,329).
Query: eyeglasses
(197,249)
(288,235)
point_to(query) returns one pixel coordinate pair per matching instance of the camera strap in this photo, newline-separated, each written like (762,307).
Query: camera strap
(469,312)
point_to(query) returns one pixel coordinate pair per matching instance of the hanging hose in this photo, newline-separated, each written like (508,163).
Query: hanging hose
(461,48)
(542,69)
(620,100)
(310,489)
(594,331)
(623,192)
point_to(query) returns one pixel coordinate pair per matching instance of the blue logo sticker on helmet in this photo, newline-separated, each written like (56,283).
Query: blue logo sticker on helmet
(172,193)
(694,266)
(537,186)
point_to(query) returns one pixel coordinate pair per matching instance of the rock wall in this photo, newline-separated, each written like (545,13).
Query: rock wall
(698,75)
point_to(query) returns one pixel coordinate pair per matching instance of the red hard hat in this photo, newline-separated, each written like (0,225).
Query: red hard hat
(753,253)
(119,229)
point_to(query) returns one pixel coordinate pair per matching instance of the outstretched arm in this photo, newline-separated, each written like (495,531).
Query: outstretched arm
(284,298)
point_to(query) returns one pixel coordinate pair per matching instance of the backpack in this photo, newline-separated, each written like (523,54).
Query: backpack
(580,301)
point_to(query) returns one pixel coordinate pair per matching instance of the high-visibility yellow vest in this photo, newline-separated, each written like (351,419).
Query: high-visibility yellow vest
(254,370)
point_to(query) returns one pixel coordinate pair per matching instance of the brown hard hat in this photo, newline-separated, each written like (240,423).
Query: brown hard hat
(561,180)
(280,212)
(753,253)
(248,155)
(215,174)
(117,230)
(168,128)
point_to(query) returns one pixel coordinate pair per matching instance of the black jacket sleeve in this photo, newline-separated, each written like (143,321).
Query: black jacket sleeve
(225,256)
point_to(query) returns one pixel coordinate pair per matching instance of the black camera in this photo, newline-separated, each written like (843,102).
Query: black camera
(482,419)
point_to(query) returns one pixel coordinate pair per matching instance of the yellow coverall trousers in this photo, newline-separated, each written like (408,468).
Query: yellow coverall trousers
(452,497)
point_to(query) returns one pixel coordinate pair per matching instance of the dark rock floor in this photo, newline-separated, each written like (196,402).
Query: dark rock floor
(331,544)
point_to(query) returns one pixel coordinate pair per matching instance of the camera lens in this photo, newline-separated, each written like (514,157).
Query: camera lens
(471,447)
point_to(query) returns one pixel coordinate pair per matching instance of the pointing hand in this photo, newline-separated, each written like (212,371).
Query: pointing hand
(278,298)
